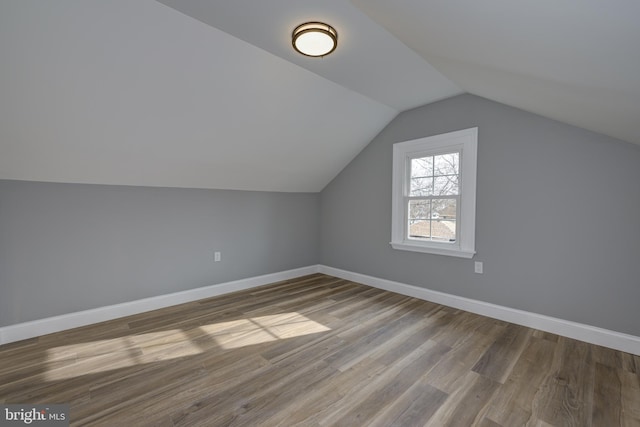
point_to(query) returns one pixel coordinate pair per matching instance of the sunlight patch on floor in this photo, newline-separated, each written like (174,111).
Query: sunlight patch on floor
(257,330)
(73,360)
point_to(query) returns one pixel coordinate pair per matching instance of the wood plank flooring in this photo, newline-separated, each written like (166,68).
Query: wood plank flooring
(321,351)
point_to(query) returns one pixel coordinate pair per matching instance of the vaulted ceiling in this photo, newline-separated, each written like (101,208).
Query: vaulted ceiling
(209,93)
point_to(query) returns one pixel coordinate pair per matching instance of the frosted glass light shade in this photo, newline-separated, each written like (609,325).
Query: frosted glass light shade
(314,39)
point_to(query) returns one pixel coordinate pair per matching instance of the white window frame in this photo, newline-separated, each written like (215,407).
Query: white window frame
(466,143)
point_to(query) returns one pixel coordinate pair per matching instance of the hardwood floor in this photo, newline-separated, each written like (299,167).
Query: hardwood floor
(320,351)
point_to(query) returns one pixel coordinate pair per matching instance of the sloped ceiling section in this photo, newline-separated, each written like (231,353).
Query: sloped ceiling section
(577,62)
(136,93)
(209,93)
(369,60)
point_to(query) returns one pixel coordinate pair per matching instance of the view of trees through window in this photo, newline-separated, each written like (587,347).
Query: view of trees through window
(434,192)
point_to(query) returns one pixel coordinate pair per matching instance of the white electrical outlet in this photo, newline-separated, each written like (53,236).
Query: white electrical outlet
(478,267)
(216,256)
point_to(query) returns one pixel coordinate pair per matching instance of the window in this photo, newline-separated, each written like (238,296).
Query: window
(434,194)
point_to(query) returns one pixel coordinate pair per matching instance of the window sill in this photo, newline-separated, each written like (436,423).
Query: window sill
(404,246)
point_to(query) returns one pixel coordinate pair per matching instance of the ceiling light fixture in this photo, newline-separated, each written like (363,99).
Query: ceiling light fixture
(314,39)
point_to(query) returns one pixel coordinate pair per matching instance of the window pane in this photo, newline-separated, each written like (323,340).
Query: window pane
(419,212)
(421,187)
(443,224)
(421,177)
(443,231)
(445,185)
(444,209)
(422,167)
(447,164)
(419,209)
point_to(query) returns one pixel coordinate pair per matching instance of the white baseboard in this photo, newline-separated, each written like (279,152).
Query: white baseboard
(591,334)
(49,325)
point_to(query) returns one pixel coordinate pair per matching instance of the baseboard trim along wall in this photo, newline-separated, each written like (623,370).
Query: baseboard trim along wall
(50,325)
(591,334)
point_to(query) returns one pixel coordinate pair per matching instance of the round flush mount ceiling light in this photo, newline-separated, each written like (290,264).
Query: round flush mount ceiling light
(314,39)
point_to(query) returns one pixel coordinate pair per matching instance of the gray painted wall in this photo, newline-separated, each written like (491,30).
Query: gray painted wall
(558,216)
(557,227)
(71,247)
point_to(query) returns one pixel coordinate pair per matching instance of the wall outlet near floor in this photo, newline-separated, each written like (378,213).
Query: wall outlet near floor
(216,256)
(477,268)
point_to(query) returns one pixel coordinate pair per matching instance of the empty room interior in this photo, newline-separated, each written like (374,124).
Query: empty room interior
(336,213)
